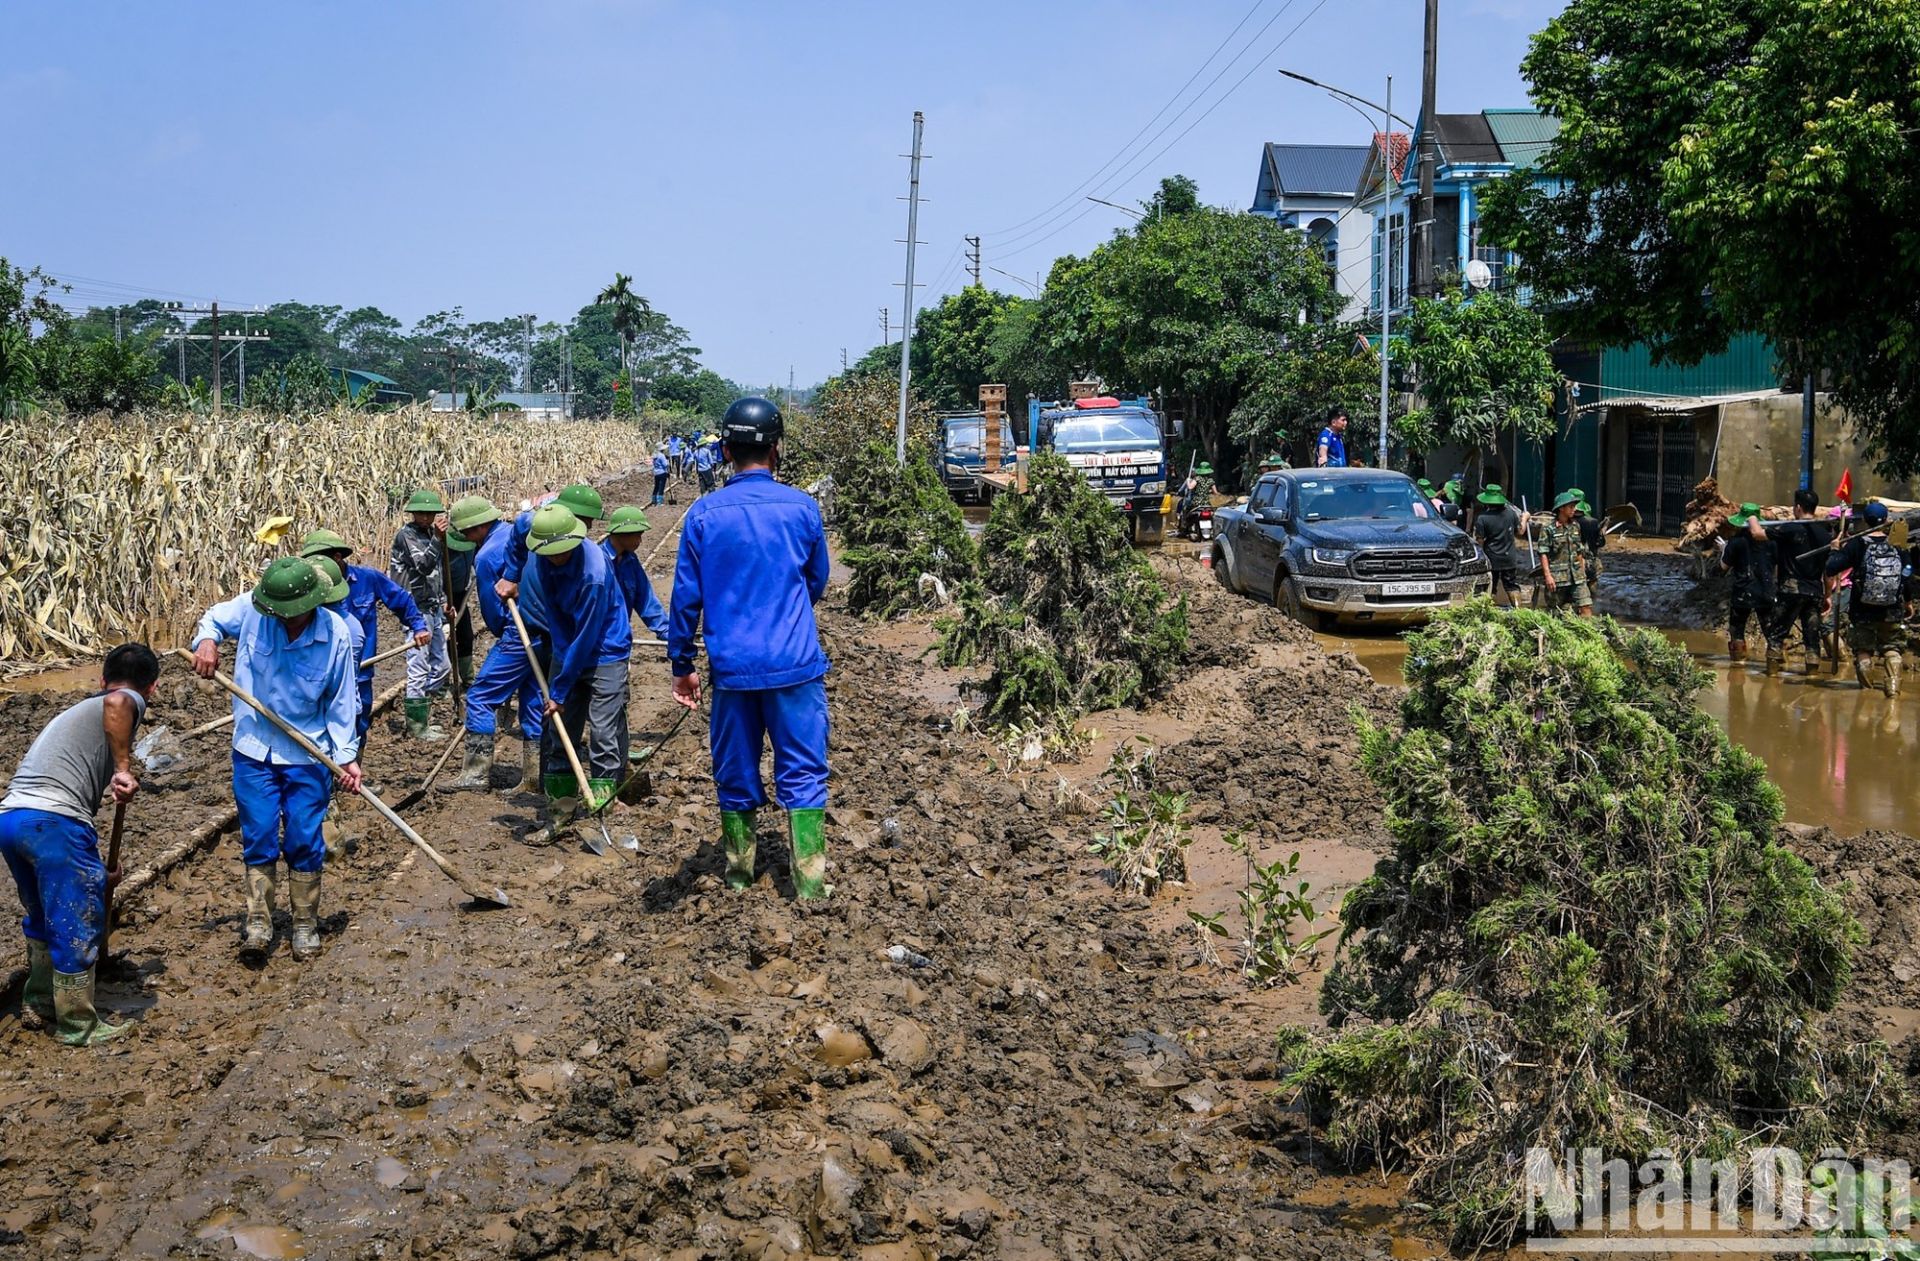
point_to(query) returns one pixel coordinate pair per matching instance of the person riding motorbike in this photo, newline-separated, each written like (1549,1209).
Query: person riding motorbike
(1195,494)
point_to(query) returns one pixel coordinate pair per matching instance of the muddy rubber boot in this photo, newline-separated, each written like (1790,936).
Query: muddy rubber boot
(807,828)
(1860,671)
(476,766)
(465,666)
(303,891)
(1776,659)
(1737,649)
(529,765)
(75,1020)
(258,937)
(558,814)
(420,723)
(37,996)
(737,838)
(1892,661)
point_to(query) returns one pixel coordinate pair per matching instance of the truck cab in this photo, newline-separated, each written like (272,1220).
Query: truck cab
(1118,445)
(960,454)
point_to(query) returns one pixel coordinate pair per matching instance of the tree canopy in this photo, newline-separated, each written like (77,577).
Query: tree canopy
(1484,366)
(1734,165)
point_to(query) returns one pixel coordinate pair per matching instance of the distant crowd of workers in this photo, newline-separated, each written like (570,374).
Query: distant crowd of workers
(751,564)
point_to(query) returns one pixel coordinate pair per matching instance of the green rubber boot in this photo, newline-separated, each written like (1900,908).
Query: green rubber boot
(76,1022)
(600,792)
(37,997)
(465,666)
(558,815)
(808,830)
(737,835)
(420,721)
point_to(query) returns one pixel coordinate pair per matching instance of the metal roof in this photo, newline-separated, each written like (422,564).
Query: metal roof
(1467,140)
(1523,134)
(1315,170)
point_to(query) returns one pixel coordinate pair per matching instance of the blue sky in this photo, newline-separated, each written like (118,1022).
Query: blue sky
(738,157)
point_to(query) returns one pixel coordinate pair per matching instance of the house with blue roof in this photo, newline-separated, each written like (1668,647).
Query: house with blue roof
(1310,188)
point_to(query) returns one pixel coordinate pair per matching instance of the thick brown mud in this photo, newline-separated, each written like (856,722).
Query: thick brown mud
(633,1061)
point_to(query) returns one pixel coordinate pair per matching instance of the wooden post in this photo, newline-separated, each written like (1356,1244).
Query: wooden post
(993,401)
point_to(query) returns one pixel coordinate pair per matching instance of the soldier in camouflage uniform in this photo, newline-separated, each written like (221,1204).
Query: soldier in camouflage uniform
(414,563)
(1563,559)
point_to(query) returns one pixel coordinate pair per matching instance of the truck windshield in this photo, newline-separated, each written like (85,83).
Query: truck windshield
(1385,499)
(969,436)
(1109,432)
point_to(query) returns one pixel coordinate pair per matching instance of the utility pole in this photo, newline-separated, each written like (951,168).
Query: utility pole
(212,312)
(1390,178)
(526,377)
(906,315)
(1806,433)
(843,359)
(1429,149)
(973,258)
(886,327)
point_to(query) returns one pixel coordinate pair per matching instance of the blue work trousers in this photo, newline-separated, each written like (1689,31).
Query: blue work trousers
(503,675)
(795,718)
(279,802)
(56,866)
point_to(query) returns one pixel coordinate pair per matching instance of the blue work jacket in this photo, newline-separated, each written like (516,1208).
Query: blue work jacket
(638,591)
(659,463)
(308,681)
(367,590)
(753,562)
(703,459)
(585,616)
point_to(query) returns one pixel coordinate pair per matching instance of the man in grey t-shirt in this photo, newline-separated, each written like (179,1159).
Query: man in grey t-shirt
(49,843)
(1494,526)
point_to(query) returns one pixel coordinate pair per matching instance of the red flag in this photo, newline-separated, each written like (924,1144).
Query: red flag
(1844,491)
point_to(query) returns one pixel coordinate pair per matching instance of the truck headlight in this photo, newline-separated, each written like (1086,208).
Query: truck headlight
(1335,557)
(1153,488)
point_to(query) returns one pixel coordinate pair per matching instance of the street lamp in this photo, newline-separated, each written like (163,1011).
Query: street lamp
(1117,206)
(1388,118)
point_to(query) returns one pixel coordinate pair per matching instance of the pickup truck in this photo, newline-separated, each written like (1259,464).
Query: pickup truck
(1363,545)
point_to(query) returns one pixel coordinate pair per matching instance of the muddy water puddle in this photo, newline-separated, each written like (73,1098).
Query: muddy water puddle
(1839,754)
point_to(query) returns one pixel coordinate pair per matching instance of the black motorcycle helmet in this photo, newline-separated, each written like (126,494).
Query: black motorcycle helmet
(752,422)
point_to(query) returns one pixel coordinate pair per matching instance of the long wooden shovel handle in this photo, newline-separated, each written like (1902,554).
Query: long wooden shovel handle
(540,677)
(218,723)
(113,865)
(298,737)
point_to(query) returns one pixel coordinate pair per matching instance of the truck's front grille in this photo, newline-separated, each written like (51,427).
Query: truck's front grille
(1390,564)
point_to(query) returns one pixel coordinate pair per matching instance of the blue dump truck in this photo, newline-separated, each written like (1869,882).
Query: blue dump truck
(960,455)
(1120,447)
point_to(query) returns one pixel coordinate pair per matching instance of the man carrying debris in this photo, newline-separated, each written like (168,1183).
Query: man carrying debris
(588,640)
(414,563)
(1593,537)
(367,590)
(752,564)
(1753,563)
(1802,544)
(49,843)
(1563,559)
(622,547)
(1494,527)
(297,659)
(1879,595)
(505,674)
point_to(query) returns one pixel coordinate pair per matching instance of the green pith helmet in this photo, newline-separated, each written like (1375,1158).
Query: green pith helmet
(1581,495)
(582,500)
(1493,496)
(627,519)
(320,542)
(290,587)
(555,532)
(337,581)
(471,511)
(425,501)
(1426,487)
(1566,497)
(1747,513)
(1203,470)
(457,542)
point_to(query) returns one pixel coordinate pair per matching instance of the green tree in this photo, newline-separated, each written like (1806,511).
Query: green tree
(114,376)
(1323,368)
(1483,366)
(627,309)
(19,372)
(1734,165)
(953,345)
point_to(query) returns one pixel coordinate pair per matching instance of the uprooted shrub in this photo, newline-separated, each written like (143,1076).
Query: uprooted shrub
(901,528)
(1068,615)
(1586,933)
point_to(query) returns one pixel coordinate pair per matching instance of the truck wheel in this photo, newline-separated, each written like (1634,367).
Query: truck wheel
(1286,598)
(1223,569)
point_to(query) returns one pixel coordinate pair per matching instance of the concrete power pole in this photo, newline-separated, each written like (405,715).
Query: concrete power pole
(214,311)
(526,377)
(973,258)
(1423,279)
(906,315)
(886,326)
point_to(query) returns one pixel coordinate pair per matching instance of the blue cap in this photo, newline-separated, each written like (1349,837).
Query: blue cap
(1874,513)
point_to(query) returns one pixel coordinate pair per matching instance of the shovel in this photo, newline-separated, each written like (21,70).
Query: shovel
(566,741)
(113,865)
(481,898)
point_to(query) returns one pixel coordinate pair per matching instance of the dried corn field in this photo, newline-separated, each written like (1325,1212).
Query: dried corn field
(127,528)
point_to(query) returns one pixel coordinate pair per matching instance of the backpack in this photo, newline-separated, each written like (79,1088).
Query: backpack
(1879,581)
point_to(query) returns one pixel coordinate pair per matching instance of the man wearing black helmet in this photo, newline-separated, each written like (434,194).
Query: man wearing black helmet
(752,564)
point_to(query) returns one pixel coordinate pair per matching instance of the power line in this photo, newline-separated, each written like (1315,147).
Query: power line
(1121,153)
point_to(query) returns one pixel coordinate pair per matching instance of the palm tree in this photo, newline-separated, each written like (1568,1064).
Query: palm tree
(629,309)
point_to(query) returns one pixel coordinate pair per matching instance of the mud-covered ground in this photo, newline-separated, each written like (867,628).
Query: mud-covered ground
(634,1062)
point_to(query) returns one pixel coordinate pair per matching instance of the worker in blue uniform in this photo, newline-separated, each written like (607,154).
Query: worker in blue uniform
(296,657)
(622,546)
(367,590)
(505,674)
(704,463)
(661,467)
(586,641)
(752,564)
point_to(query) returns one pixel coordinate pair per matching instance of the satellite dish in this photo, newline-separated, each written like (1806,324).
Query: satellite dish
(1479,275)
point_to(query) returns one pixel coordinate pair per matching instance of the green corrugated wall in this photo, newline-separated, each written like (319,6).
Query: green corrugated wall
(1746,364)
